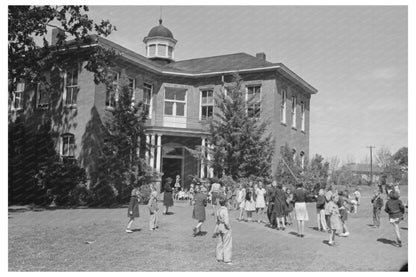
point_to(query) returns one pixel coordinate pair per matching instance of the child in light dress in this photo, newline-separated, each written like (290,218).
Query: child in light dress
(153,209)
(260,201)
(332,210)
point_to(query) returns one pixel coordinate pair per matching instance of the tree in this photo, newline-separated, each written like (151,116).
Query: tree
(383,157)
(288,171)
(333,166)
(29,61)
(241,147)
(398,167)
(120,164)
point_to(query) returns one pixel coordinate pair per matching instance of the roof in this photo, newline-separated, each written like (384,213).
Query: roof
(363,168)
(221,63)
(160,31)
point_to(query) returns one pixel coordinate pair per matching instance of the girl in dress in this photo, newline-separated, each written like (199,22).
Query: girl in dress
(395,209)
(241,199)
(198,213)
(299,198)
(133,209)
(280,207)
(260,202)
(167,195)
(153,209)
(250,206)
(334,218)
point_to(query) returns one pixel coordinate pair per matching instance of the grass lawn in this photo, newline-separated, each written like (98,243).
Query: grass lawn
(95,240)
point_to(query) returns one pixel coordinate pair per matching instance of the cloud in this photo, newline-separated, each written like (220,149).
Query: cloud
(379,74)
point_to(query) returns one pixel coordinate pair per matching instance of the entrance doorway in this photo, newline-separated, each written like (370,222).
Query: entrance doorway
(172,167)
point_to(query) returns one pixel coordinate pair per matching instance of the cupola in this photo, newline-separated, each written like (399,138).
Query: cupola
(160,44)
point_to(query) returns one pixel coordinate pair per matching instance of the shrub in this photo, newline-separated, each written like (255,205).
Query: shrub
(104,194)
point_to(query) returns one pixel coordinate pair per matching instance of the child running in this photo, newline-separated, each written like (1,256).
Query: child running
(395,209)
(133,209)
(343,204)
(224,245)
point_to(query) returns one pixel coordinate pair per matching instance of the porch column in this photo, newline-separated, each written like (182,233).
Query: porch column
(202,173)
(138,147)
(158,152)
(147,149)
(209,156)
(152,151)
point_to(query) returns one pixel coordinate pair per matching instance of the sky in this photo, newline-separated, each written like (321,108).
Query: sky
(356,56)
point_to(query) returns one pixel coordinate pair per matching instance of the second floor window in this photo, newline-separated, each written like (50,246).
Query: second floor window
(17,101)
(253,98)
(68,145)
(294,111)
(207,103)
(175,102)
(147,99)
(283,107)
(42,97)
(71,87)
(302,116)
(111,94)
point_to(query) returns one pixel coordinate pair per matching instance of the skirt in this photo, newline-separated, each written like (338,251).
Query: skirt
(335,222)
(242,204)
(250,206)
(300,211)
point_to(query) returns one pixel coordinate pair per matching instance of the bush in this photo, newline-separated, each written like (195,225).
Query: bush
(80,196)
(145,193)
(104,195)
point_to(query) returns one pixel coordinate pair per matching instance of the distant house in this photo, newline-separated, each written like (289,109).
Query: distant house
(364,171)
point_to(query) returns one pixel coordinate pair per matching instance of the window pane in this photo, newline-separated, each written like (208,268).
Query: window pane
(210,109)
(170,50)
(169,108)
(152,50)
(161,50)
(169,94)
(20,87)
(180,109)
(180,95)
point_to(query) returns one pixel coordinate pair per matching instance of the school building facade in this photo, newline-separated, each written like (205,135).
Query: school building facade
(178,97)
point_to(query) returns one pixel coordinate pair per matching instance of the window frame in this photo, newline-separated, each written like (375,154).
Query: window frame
(16,98)
(294,110)
(302,116)
(71,87)
(70,141)
(174,101)
(283,106)
(150,100)
(108,95)
(41,106)
(255,104)
(202,105)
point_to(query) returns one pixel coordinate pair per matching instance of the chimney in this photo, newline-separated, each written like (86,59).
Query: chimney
(261,56)
(56,33)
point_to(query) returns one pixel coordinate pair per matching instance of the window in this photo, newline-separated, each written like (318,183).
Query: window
(283,107)
(71,87)
(302,116)
(147,99)
(302,159)
(294,154)
(170,51)
(152,49)
(42,97)
(131,85)
(207,103)
(68,145)
(294,112)
(161,50)
(253,99)
(17,101)
(175,102)
(111,93)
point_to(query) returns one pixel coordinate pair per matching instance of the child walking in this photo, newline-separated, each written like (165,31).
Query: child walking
(334,218)
(153,209)
(395,209)
(343,205)
(198,213)
(377,205)
(224,245)
(320,211)
(133,209)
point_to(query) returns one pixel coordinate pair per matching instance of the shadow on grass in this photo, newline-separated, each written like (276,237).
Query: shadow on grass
(136,230)
(404,228)
(387,241)
(293,234)
(169,213)
(201,234)
(314,228)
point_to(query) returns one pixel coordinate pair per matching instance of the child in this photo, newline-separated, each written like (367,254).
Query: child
(343,205)
(377,205)
(224,245)
(334,217)
(250,204)
(395,209)
(191,194)
(199,209)
(320,211)
(241,201)
(153,209)
(133,209)
(289,210)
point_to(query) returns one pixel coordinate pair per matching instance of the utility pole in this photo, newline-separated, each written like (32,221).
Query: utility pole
(371,163)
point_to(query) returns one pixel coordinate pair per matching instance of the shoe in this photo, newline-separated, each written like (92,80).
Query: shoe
(399,243)
(228,263)
(195,231)
(283,228)
(298,235)
(331,243)
(214,236)
(219,261)
(129,231)
(346,234)
(302,236)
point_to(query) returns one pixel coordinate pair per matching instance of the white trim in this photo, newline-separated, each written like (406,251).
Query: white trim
(150,99)
(20,107)
(293,111)
(283,105)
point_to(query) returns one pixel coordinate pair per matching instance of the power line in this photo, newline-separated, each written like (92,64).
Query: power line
(371,163)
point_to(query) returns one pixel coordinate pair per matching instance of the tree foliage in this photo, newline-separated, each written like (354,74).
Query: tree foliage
(120,165)
(29,61)
(240,145)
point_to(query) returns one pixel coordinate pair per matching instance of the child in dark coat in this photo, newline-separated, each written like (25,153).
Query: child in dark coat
(133,209)
(377,205)
(200,202)
(395,209)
